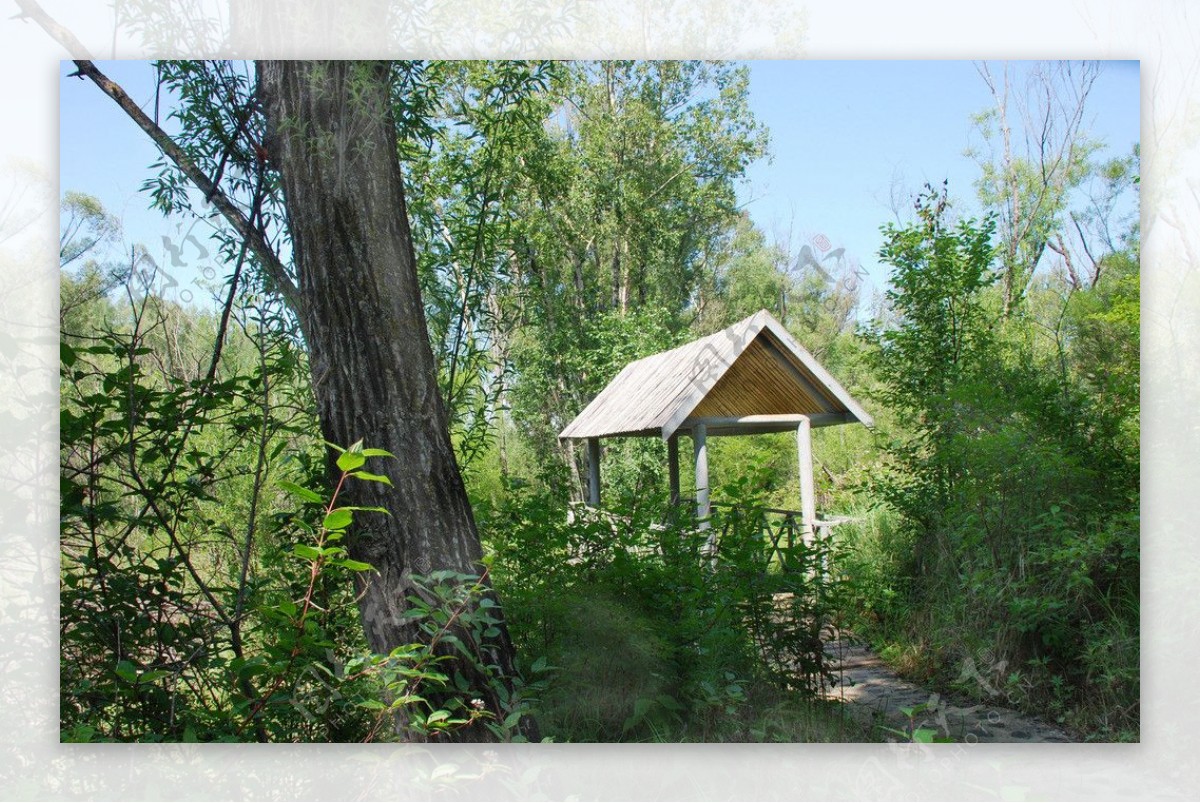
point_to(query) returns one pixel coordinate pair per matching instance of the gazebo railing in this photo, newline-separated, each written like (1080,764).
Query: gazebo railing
(781,531)
(784,540)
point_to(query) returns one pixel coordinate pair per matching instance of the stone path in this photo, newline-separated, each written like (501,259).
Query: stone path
(876,693)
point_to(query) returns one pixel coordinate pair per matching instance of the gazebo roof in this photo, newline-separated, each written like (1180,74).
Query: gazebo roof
(751,377)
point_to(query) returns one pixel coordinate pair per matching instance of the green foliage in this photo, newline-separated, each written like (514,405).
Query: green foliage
(569,218)
(747,277)
(912,733)
(876,560)
(1013,484)
(1104,327)
(285,673)
(85,227)
(87,233)
(1036,158)
(612,669)
(625,197)
(938,277)
(207,592)
(466,128)
(660,630)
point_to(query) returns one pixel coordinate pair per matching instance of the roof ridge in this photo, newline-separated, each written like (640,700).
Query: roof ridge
(753,326)
(657,393)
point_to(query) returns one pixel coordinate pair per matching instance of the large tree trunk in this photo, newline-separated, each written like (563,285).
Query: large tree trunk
(333,139)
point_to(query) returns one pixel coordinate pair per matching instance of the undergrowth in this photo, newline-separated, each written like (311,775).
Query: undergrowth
(648,639)
(1062,644)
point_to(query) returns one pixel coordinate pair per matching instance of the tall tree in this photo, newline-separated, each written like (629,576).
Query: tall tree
(331,136)
(85,227)
(628,192)
(1037,153)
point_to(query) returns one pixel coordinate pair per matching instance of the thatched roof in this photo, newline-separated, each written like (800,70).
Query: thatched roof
(751,377)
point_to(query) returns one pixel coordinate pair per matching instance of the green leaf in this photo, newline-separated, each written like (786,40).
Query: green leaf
(355,565)
(348,461)
(377,453)
(338,519)
(126,671)
(923,735)
(366,475)
(668,702)
(307,552)
(641,707)
(256,665)
(302,493)
(437,716)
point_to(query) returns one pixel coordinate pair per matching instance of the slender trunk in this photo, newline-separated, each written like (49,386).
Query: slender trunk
(617,285)
(577,264)
(567,450)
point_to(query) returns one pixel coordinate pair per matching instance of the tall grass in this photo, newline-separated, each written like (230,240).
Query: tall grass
(646,641)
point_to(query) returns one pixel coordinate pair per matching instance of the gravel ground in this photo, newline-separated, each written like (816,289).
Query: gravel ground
(864,681)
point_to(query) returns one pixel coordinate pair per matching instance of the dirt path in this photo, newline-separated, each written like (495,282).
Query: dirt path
(876,692)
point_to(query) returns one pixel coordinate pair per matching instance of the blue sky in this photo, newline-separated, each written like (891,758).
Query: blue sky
(843,133)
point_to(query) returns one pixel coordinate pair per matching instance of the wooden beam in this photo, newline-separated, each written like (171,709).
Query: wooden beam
(789,418)
(752,424)
(808,502)
(673,467)
(594,472)
(822,395)
(700,449)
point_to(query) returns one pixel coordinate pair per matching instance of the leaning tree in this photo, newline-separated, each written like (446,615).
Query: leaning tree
(328,134)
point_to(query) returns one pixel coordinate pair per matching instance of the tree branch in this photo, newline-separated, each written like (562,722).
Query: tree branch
(275,270)
(31,10)
(1061,249)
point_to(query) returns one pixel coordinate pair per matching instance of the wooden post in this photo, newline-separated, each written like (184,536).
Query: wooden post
(703,509)
(594,472)
(673,467)
(808,501)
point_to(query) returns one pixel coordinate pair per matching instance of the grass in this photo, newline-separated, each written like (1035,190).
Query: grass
(621,675)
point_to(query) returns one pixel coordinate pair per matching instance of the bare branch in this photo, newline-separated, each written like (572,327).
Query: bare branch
(31,10)
(1059,247)
(255,238)
(1088,251)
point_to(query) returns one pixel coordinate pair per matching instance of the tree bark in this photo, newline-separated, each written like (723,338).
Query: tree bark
(332,136)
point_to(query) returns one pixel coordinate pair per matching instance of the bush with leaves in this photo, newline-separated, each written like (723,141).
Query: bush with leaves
(1014,494)
(197,605)
(653,634)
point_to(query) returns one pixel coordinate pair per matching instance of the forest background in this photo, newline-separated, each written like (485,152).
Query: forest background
(568,218)
(1160,34)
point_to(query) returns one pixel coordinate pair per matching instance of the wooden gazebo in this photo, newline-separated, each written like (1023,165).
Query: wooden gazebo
(748,379)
